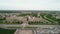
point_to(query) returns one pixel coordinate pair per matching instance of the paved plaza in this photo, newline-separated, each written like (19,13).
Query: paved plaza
(19,31)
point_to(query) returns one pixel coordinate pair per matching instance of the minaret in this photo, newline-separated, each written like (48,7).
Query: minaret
(38,15)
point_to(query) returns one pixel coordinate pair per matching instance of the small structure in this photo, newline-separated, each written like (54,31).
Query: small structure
(58,17)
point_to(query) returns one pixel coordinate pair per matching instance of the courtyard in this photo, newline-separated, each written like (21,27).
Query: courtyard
(19,31)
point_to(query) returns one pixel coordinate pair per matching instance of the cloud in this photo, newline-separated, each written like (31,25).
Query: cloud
(29,5)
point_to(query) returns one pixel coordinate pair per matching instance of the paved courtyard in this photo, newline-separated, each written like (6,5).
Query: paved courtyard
(19,31)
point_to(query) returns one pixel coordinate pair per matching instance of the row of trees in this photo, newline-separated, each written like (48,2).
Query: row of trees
(12,22)
(42,23)
(38,23)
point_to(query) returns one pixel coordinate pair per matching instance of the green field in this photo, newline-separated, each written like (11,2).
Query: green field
(28,14)
(51,19)
(7,31)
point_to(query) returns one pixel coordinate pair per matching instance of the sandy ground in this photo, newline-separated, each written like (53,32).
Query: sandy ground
(23,31)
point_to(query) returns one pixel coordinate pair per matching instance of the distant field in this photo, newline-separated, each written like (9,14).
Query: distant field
(46,15)
(7,31)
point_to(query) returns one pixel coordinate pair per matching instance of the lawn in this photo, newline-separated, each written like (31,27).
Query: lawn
(49,16)
(7,31)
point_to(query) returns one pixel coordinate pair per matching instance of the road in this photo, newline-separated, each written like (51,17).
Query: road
(18,25)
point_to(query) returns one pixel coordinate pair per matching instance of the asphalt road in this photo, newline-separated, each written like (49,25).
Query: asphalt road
(10,25)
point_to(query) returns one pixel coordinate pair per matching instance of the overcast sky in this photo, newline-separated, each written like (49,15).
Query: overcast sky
(29,4)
